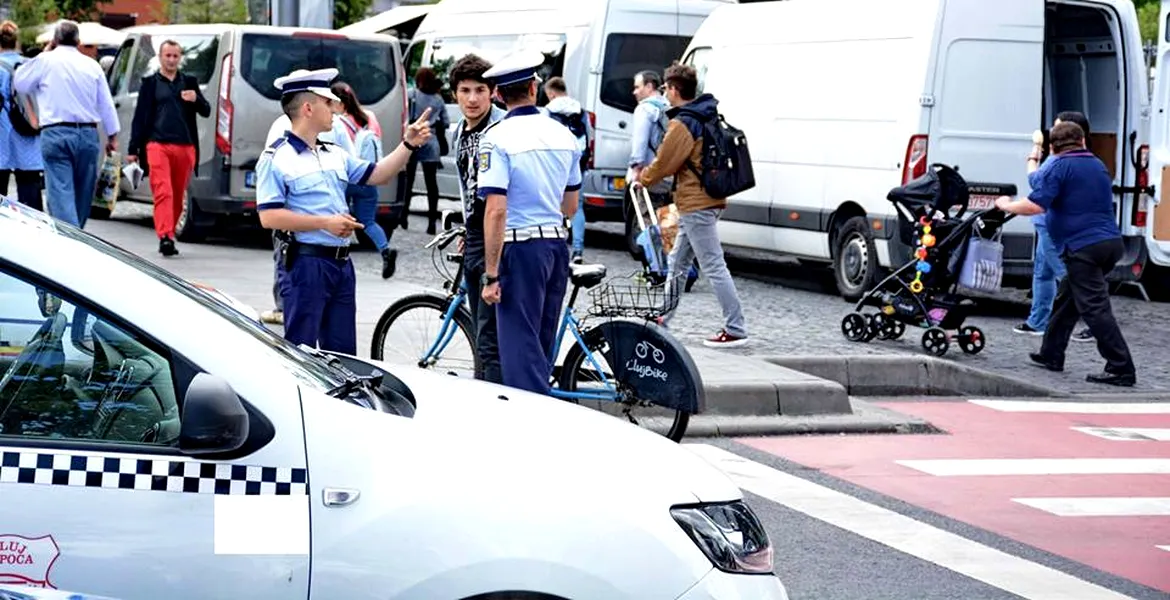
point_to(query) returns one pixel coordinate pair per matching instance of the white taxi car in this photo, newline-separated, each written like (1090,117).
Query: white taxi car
(155,443)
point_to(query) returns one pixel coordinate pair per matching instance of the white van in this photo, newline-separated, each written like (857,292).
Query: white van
(842,101)
(596,45)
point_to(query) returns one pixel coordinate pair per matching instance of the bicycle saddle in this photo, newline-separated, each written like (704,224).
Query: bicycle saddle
(586,276)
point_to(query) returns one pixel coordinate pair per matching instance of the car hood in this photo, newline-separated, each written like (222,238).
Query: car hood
(525,429)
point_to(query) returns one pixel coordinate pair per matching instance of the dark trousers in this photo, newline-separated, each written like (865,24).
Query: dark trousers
(320,303)
(28,187)
(431,178)
(1084,294)
(533,279)
(483,318)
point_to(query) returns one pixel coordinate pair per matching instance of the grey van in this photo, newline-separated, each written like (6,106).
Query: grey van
(236,65)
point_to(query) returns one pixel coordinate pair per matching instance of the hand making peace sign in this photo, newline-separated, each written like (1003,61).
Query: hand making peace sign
(419,132)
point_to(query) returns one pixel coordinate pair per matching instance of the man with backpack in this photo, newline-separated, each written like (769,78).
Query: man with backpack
(697,150)
(569,113)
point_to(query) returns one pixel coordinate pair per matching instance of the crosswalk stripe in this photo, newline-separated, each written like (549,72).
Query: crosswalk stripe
(1128,434)
(961,555)
(1100,507)
(1166,548)
(1084,408)
(1040,466)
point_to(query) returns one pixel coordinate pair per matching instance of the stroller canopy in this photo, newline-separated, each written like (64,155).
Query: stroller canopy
(940,189)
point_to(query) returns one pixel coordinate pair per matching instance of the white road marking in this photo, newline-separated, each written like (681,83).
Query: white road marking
(269,525)
(1127,434)
(1040,466)
(1166,548)
(1083,408)
(993,567)
(1100,507)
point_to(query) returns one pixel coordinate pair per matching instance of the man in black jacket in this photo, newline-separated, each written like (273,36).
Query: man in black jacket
(164,128)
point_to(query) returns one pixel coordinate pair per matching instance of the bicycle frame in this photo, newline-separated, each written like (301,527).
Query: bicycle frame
(570,322)
(448,330)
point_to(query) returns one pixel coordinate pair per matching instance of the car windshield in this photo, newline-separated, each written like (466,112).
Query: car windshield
(311,369)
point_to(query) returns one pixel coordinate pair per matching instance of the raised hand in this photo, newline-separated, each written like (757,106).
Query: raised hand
(419,132)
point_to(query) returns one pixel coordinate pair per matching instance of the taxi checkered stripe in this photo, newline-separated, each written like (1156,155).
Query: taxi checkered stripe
(158,475)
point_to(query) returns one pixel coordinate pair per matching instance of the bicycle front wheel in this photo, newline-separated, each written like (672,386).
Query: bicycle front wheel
(415,331)
(604,368)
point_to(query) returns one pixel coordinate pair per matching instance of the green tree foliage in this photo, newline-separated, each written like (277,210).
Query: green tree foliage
(28,15)
(207,11)
(1148,18)
(78,10)
(347,12)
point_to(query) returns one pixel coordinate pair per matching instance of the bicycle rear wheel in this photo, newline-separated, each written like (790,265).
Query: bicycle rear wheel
(657,388)
(413,331)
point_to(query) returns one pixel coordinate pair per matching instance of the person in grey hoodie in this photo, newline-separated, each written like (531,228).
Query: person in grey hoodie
(569,112)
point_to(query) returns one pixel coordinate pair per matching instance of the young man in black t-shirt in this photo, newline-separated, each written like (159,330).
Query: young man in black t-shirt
(474,95)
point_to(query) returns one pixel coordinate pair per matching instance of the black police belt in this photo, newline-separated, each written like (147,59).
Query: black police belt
(539,232)
(322,251)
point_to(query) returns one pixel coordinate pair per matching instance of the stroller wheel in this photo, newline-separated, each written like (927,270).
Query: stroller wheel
(872,327)
(972,340)
(888,328)
(934,341)
(855,327)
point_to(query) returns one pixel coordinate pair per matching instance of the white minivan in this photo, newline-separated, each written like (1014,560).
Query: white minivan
(596,45)
(842,101)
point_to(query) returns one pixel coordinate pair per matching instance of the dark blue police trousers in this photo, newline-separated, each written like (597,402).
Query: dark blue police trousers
(320,303)
(533,279)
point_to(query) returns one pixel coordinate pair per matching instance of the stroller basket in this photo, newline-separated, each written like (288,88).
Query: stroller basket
(635,296)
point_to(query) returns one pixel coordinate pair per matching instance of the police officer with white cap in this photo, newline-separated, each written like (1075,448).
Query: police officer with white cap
(300,189)
(529,176)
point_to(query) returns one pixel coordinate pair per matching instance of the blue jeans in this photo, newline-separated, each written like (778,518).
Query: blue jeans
(579,226)
(71,170)
(364,199)
(1047,271)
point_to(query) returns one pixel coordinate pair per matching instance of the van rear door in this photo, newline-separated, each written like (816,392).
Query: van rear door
(1158,217)
(987,101)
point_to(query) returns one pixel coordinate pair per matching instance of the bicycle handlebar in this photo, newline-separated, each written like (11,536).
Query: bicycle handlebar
(445,238)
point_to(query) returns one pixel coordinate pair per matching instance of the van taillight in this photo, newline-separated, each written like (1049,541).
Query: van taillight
(1143,182)
(223,122)
(593,128)
(914,166)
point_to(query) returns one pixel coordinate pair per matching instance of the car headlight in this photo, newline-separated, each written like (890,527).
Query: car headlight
(729,534)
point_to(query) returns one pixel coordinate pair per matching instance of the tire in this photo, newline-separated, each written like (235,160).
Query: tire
(855,264)
(426,302)
(1156,280)
(568,381)
(193,224)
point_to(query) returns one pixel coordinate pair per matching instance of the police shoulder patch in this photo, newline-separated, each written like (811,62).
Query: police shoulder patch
(485,157)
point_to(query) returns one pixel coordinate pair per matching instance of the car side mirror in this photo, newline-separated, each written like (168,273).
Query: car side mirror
(214,420)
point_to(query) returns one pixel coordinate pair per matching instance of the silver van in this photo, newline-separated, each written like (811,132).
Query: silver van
(236,65)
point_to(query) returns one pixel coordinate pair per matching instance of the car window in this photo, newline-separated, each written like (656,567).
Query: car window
(445,51)
(121,67)
(367,66)
(74,375)
(698,58)
(199,54)
(626,55)
(413,61)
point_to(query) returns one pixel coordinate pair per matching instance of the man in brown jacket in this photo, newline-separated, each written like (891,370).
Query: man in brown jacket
(679,155)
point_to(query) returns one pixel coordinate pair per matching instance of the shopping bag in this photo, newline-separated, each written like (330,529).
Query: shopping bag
(982,269)
(653,254)
(108,183)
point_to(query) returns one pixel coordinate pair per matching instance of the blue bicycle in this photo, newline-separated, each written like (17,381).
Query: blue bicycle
(626,365)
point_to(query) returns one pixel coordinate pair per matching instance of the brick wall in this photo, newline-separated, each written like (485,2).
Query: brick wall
(124,13)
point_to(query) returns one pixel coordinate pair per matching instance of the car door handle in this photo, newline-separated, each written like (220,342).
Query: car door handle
(337,497)
(621,124)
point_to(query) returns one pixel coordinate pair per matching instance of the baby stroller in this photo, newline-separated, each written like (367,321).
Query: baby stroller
(952,255)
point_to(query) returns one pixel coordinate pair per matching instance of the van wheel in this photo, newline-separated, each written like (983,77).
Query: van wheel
(1156,280)
(193,225)
(855,262)
(99,214)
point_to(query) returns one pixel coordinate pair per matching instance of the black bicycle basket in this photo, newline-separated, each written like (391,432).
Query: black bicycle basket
(635,296)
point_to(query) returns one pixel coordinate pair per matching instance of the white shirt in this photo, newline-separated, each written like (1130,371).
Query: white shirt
(338,135)
(69,87)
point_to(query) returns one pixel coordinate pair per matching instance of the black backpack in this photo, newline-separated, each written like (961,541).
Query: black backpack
(21,109)
(576,125)
(725,167)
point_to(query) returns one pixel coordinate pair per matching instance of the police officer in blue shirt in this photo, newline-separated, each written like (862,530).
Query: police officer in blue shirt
(300,189)
(529,176)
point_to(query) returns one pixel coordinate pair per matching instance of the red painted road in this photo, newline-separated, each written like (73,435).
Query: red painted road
(1124,546)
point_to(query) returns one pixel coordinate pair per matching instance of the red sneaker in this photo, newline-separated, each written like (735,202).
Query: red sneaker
(725,340)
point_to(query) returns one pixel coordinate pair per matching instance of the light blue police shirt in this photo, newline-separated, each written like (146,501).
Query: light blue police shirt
(533,160)
(309,181)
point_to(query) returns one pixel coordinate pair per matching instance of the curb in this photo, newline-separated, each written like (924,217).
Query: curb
(884,375)
(716,426)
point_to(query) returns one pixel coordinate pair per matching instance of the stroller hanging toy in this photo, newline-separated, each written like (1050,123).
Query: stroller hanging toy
(927,241)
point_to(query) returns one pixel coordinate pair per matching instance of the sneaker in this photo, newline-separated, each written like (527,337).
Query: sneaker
(272,317)
(725,340)
(166,247)
(1083,336)
(389,263)
(1027,329)
(577,258)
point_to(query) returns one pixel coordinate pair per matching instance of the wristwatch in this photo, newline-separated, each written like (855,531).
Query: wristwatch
(486,280)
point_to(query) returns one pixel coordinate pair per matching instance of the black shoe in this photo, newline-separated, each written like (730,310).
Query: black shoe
(1117,379)
(166,247)
(389,263)
(431,227)
(1039,361)
(689,284)
(1083,336)
(1027,329)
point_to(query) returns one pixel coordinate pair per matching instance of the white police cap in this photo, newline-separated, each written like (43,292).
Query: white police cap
(517,67)
(304,80)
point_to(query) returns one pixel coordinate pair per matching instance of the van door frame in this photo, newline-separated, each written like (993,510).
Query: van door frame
(1159,142)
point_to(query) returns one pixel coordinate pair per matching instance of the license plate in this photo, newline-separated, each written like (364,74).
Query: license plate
(981,202)
(617,184)
(250,179)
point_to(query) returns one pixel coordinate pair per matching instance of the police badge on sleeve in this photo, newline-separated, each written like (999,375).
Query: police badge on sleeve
(485,157)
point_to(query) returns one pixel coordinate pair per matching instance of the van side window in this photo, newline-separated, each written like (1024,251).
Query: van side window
(627,54)
(698,58)
(414,57)
(121,66)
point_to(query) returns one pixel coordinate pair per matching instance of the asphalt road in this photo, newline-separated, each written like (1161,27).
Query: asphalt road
(818,554)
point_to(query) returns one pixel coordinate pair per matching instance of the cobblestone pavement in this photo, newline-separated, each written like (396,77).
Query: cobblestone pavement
(794,310)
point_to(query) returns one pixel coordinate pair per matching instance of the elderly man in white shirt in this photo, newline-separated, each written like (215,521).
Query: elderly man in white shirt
(72,99)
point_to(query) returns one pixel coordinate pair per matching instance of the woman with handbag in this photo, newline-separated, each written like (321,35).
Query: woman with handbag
(19,154)
(426,95)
